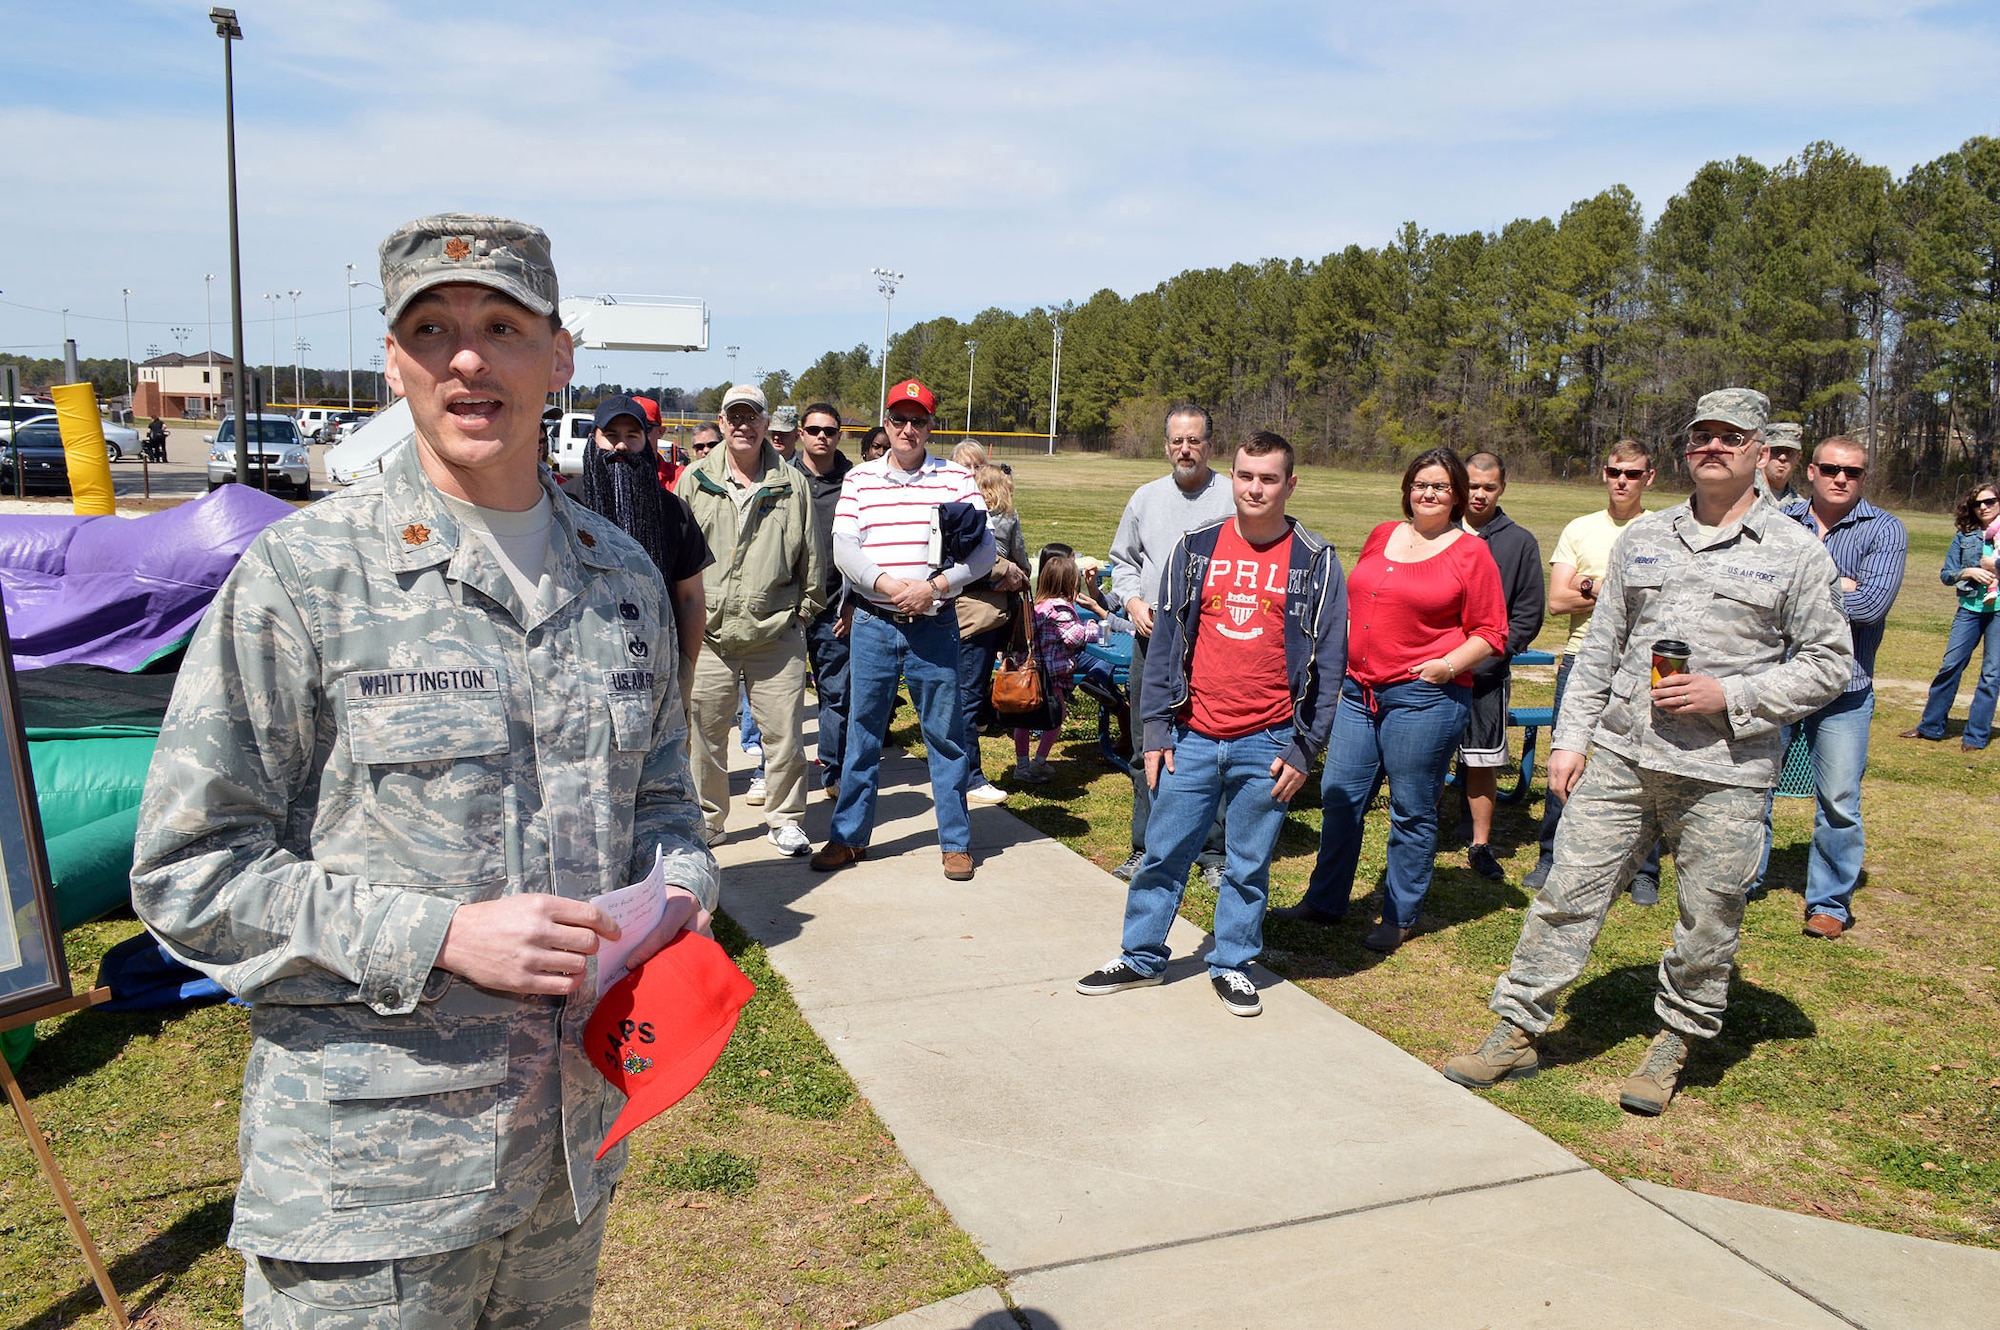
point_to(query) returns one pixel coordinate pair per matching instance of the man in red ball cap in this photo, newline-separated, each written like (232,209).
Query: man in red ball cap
(904,627)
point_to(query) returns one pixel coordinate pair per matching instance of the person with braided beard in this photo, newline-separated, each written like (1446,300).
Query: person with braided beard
(620,480)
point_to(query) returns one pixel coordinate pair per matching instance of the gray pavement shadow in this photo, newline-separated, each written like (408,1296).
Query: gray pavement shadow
(1617,1005)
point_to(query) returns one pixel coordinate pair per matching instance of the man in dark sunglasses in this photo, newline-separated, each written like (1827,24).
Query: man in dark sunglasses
(1582,557)
(1868,547)
(824,467)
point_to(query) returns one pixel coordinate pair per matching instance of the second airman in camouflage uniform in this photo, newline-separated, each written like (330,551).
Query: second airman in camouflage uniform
(401,756)
(1689,756)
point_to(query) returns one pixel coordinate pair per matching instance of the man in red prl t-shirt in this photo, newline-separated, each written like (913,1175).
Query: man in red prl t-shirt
(1241,682)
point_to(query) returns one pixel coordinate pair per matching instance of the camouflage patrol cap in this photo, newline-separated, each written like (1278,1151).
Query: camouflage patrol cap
(784,419)
(1784,434)
(511,257)
(1745,408)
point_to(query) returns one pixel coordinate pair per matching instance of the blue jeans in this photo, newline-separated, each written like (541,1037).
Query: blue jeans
(1552,803)
(829,662)
(1838,733)
(1409,737)
(925,655)
(1213,850)
(1208,775)
(975,675)
(1969,628)
(752,737)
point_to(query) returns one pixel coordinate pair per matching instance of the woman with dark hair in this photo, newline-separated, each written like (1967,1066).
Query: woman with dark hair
(874,444)
(1424,605)
(1969,566)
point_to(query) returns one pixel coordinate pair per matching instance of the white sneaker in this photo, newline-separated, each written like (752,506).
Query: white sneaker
(986,794)
(790,840)
(756,795)
(755,751)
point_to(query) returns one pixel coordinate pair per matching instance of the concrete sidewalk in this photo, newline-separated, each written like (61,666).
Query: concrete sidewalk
(1149,1160)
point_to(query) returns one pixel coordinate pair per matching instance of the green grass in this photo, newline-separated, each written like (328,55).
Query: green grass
(1842,1069)
(770,1196)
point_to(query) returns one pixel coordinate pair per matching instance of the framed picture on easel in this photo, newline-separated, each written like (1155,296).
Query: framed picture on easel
(33,970)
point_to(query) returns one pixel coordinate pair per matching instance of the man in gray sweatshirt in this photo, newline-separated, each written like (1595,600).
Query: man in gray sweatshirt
(1158,514)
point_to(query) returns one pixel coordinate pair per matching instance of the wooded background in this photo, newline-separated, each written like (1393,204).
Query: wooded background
(1860,303)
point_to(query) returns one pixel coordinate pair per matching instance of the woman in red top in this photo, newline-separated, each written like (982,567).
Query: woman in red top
(1424,606)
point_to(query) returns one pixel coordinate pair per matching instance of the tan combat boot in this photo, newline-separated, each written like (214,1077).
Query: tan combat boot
(1648,1089)
(1507,1055)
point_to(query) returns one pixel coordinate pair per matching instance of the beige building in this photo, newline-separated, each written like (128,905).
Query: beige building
(184,386)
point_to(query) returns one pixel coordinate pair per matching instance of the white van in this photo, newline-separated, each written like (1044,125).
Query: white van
(313,419)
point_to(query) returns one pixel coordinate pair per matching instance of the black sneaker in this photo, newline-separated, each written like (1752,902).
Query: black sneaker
(1539,874)
(1115,978)
(1237,993)
(1128,870)
(1483,863)
(1645,891)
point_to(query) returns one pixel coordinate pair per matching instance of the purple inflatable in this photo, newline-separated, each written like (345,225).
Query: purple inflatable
(118,592)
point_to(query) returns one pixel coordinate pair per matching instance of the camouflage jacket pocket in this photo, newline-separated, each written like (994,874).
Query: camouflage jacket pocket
(437,777)
(413,1122)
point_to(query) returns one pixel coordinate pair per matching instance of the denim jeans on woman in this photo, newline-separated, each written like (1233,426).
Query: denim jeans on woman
(1409,737)
(1969,628)
(1209,775)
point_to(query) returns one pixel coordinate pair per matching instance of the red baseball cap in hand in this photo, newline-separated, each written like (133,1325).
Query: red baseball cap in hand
(659,1031)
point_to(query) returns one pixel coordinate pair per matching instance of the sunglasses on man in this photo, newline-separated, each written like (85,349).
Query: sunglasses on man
(1829,470)
(1624,473)
(823,431)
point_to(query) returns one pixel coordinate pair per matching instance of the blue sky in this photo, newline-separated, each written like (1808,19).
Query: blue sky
(765,156)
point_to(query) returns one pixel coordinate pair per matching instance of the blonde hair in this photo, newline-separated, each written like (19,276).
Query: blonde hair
(969,454)
(997,487)
(1057,578)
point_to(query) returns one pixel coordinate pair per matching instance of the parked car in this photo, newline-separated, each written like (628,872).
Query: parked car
(313,419)
(120,441)
(350,421)
(276,439)
(44,465)
(572,437)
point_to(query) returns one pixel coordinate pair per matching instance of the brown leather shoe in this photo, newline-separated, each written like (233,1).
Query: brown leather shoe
(1385,937)
(1824,925)
(1918,734)
(958,865)
(1965,747)
(834,855)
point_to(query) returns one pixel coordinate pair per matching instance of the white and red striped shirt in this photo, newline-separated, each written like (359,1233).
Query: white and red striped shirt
(883,523)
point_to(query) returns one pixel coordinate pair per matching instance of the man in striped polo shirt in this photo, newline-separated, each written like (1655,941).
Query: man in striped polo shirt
(904,628)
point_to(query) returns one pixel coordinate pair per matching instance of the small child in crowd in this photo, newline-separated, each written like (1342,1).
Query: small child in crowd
(1060,636)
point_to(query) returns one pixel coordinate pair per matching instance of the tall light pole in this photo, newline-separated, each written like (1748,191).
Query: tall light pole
(971,365)
(128,344)
(180,336)
(886,284)
(208,302)
(298,350)
(271,388)
(375,364)
(731,351)
(1055,386)
(350,337)
(229,31)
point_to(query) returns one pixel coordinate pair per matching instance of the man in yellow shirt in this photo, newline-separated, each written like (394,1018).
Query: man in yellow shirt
(1582,556)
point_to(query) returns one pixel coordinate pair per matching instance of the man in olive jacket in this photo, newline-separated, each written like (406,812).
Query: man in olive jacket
(767,582)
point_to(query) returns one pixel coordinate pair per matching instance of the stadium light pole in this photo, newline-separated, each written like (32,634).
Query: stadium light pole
(1055,386)
(350,337)
(886,284)
(127,292)
(971,365)
(208,303)
(229,30)
(731,351)
(298,368)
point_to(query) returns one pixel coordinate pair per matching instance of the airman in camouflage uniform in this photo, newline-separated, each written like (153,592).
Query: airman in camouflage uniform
(1784,443)
(1757,601)
(399,760)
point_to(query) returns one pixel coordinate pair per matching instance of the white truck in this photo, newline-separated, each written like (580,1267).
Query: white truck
(597,323)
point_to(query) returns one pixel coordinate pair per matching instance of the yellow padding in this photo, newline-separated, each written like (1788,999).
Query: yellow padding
(83,448)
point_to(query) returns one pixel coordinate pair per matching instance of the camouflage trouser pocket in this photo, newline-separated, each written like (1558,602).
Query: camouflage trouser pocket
(413,1123)
(319,1295)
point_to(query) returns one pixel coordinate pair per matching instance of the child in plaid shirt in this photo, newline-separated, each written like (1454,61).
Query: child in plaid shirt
(1060,636)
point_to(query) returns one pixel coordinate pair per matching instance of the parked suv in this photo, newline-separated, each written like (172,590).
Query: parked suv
(276,439)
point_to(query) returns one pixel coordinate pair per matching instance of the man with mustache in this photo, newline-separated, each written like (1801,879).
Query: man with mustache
(1718,624)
